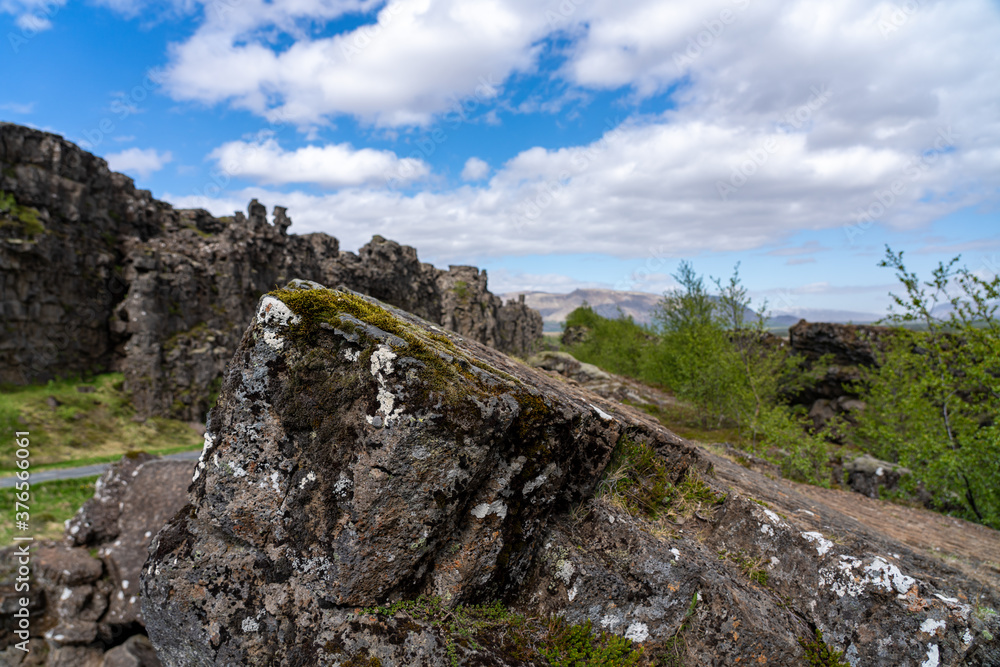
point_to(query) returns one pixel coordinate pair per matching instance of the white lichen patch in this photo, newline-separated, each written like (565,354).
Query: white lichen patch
(888,577)
(237,469)
(66,594)
(850,578)
(342,486)
(933,656)
(842,580)
(274,312)
(603,415)
(534,484)
(637,632)
(823,545)
(386,401)
(609,621)
(497,507)
(931,626)
(209,443)
(565,570)
(250,625)
(967,637)
(273,340)
(311,477)
(676,553)
(775,519)
(766,529)
(381,362)
(571,593)
(352,355)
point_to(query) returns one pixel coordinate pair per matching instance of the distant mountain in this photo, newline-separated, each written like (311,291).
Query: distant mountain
(788,318)
(640,305)
(605,302)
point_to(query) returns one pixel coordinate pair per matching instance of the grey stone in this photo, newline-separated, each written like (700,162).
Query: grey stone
(131,284)
(480,485)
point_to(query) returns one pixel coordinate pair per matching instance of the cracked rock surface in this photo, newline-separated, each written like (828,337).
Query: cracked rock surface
(359,455)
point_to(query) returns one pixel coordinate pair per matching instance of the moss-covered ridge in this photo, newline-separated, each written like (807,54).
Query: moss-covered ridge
(353,313)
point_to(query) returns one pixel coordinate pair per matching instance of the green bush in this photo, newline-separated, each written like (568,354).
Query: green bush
(712,350)
(616,345)
(932,403)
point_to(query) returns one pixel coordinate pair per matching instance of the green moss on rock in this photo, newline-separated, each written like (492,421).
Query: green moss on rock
(23,217)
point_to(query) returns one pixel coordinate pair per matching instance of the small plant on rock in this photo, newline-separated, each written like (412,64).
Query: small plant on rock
(819,654)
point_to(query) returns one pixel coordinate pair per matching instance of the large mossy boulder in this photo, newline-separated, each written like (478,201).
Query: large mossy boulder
(368,479)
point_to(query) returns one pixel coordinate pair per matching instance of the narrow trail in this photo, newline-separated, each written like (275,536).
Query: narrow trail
(85,471)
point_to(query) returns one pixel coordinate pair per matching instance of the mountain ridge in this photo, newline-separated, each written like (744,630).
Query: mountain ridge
(555,307)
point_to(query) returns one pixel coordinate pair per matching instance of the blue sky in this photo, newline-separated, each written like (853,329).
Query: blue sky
(561,144)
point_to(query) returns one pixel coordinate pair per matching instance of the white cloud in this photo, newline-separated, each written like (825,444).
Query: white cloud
(418,58)
(792,117)
(142,161)
(504,281)
(333,165)
(31,16)
(640,189)
(475,169)
(17,108)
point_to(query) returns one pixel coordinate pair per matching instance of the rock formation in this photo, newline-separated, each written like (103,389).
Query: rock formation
(85,606)
(360,456)
(96,275)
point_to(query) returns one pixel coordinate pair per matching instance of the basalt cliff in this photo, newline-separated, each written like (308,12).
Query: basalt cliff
(96,275)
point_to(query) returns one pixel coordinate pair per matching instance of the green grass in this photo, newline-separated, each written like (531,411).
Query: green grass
(23,217)
(518,639)
(69,428)
(638,481)
(50,503)
(819,654)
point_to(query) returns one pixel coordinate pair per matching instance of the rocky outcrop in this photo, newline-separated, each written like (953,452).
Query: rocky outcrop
(84,591)
(96,275)
(359,456)
(835,352)
(872,477)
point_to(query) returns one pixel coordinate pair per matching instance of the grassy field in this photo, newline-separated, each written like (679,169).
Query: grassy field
(68,426)
(51,504)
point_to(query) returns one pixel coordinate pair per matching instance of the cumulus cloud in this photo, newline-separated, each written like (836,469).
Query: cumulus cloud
(642,189)
(332,165)
(415,59)
(785,117)
(475,169)
(141,161)
(31,16)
